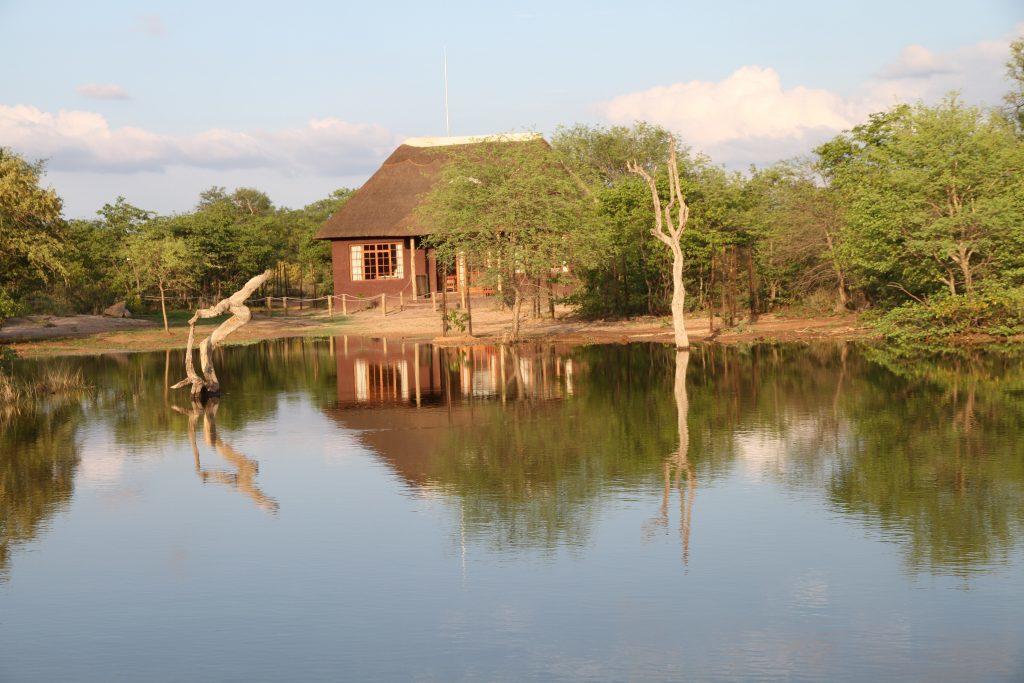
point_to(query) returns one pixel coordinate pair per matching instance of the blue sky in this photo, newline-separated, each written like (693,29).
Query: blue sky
(158,100)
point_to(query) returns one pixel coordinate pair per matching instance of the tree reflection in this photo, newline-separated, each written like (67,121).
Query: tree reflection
(38,460)
(924,449)
(678,464)
(243,478)
(530,441)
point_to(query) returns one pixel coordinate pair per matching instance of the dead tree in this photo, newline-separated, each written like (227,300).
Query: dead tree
(669,223)
(208,384)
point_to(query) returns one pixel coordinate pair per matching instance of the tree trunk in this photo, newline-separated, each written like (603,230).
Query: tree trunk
(752,287)
(843,300)
(444,303)
(469,307)
(668,229)
(517,313)
(679,299)
(551,299)
(163,305)
(208,384)
(963,259)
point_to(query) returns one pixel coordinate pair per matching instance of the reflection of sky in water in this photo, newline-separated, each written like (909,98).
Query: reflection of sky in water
(526,521)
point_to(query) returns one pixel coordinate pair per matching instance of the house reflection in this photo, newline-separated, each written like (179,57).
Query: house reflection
(375,372)
(524,440)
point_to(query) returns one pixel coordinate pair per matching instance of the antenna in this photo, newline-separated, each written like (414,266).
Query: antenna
(447,123)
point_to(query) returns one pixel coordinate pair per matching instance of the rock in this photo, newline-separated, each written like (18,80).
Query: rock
(118,310)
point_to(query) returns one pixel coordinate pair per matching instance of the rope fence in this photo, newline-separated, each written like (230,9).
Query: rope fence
(343,303)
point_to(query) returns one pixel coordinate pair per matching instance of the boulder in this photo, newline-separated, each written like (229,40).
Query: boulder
(118,310)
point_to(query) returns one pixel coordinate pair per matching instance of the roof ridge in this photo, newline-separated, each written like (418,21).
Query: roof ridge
(447,141)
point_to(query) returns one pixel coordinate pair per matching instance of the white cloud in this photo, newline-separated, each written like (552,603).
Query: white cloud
(750,117)
(102,91)
(750,103)
(916,61)
(84,141)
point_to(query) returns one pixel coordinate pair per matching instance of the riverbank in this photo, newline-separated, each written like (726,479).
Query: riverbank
(81,335)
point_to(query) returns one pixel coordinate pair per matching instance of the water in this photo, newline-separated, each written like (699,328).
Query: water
(360,509)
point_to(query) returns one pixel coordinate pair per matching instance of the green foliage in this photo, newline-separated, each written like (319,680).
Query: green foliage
(624,269)
(1015,74)
(457,319)
(934,199)
(513,210)
(941,319)
(32,232)
(127,252)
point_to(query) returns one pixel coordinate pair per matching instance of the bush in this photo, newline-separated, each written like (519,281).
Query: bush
(992,313)
(8,307)
(458,319)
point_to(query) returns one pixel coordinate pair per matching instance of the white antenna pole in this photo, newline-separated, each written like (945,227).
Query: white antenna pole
(447,123)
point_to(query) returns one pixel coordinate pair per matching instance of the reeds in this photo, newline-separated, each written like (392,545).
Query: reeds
(18,395)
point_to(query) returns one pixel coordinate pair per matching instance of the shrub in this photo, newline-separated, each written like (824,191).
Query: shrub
(458,319)
(993,313)
(8,307)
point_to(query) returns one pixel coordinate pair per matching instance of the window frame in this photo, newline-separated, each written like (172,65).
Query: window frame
(368,259)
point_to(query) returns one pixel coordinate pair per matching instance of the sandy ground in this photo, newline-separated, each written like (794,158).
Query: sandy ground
(54,326)
(73,335)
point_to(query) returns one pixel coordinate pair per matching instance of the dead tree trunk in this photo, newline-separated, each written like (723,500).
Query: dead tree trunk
(208,384)
(669,223)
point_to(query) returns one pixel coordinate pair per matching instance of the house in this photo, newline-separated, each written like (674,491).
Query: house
(376,237)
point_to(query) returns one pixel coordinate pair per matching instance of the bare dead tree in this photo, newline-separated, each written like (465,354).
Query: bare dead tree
(669,224)
(208,384)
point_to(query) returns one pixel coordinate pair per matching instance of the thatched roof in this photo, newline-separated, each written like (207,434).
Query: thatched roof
(385,206)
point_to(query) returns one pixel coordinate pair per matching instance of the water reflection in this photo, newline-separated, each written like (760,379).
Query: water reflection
(242,479)
(677,466)
(38,461)
(529,445)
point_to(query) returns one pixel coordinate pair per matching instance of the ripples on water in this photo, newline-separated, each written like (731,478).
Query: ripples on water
(356,508)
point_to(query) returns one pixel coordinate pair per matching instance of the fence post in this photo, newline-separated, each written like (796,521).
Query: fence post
(330,306)
(401,301)
(433,301)
(383,305)
(344,305)
(270,307)
(285,300)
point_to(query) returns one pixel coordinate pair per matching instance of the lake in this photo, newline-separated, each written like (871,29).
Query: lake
(356,509)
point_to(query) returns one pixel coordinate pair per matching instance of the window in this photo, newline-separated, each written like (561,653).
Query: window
(379,261)
(381,381)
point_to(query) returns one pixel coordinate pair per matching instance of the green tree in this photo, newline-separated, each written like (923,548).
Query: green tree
(1015,73)
(33,236)
(163,259)
(935,197)
(512,210)
(796,219)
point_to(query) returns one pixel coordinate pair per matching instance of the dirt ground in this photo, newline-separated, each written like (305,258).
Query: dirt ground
(87,334)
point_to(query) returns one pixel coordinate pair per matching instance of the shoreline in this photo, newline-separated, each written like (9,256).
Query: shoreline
(65,338)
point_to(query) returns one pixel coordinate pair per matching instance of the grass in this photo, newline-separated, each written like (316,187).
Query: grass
(17,395)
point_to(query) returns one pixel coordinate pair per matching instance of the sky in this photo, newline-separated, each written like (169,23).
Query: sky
(157,101)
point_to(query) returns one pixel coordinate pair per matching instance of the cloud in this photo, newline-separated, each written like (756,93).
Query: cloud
(85,141)
(102,91)
(749,103)
(750,117)
(150,24)
(916,61)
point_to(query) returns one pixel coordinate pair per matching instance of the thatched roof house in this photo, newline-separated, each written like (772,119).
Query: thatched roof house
(375,235)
